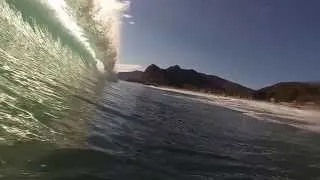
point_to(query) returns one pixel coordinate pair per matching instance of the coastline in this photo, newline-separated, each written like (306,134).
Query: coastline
(301,117)
(203,94)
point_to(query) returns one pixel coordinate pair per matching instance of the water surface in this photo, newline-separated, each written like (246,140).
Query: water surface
(136,132)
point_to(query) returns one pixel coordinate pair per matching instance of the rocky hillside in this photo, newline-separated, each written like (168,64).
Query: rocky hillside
(297,92)
(186,79)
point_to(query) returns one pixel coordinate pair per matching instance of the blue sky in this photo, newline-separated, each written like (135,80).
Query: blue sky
(252,42)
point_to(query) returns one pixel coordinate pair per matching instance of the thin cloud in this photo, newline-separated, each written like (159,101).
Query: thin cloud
(128,16)
(128,67)
(132,22)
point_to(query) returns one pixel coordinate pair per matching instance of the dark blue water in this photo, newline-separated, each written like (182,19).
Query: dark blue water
(136,132)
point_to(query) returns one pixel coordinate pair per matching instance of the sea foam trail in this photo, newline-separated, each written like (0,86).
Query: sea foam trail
(300,118)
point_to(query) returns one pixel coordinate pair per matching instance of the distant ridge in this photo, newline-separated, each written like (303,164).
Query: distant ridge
(298,92)
(189,79)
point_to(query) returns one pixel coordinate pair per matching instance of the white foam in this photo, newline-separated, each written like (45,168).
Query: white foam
(106,14)
(61,10)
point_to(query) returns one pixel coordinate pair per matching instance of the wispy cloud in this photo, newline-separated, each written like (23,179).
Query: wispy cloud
(128,16)
(128,67)
(132,22)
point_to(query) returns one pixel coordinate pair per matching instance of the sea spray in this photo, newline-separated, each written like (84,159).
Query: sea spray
(61,12)
(101,19)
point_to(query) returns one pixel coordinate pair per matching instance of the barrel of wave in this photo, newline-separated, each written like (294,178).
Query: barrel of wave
(39,76)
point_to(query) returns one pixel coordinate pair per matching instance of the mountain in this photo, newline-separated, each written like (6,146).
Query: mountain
(135,76)
(189,79)
(298,92)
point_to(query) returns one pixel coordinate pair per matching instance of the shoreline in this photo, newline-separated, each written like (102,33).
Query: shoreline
(203,94)
(306,118)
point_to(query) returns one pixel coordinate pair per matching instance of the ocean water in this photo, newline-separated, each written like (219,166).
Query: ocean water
(136,132)
(61,119)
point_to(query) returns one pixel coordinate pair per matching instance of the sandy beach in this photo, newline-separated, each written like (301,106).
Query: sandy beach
(301,117)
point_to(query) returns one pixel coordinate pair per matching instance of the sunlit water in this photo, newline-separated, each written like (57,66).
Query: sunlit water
(136,132)
(60,118)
